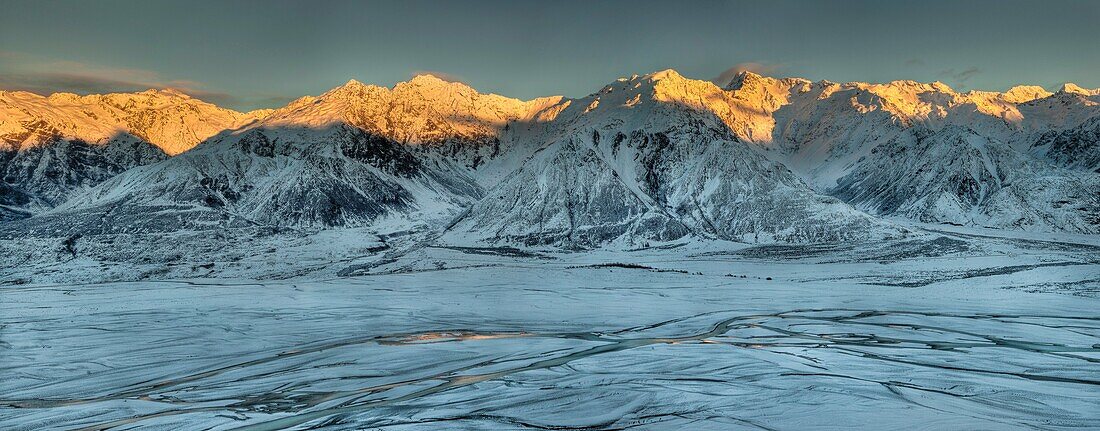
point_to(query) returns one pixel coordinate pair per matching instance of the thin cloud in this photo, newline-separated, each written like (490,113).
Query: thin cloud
(960,76)
(914,62)
(759,68)
(76,77)
(46,83)
(64,82)
(967,74)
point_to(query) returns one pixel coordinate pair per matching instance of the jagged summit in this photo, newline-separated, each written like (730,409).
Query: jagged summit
(749,81)
(352,88)
(665,74)
(652,101)
(59,97)
(741,78)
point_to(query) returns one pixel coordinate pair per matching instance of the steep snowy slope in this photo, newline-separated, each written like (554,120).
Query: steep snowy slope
(1078,147)
(1060,112)
(955,175)
(566,195)
(649,158)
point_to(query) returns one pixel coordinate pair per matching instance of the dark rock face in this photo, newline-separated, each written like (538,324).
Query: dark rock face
(382,153)
(256,142)
(651,151)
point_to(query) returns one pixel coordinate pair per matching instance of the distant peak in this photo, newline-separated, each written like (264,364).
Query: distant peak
(749,74)
(352,87)
(428,79)
(63,98)
(1070,87)
(940,86)
(742,78)
(1025,93)
(748,82)
(259,113)
(665,74)
(167,91)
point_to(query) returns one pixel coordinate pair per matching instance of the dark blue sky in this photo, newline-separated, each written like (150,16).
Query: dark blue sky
(249,54)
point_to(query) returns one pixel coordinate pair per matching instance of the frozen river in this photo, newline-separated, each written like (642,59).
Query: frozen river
(506,342)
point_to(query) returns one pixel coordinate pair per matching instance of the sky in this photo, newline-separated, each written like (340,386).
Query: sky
(251,54)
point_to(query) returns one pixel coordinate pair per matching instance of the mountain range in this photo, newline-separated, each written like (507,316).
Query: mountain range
(655,157)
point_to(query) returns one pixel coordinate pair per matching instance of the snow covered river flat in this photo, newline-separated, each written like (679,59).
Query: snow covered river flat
(487,341)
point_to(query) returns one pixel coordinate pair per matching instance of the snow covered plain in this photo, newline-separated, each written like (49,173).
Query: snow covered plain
(952,330)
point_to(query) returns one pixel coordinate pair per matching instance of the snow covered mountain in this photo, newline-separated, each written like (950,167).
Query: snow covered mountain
(356,155)
(647,158)
(822,129)
(172,121)
(926,152)
(53,146)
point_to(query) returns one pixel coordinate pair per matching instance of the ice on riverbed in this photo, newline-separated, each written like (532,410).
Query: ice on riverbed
(691,337)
